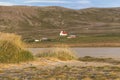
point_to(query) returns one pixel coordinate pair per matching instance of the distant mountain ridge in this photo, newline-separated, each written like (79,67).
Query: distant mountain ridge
(36,22)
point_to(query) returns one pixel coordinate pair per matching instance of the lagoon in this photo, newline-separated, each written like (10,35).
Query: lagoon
(107,52)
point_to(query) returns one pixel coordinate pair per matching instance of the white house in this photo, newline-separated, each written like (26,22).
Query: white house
(37,40)
(63,33)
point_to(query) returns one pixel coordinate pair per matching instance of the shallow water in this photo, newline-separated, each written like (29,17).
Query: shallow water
(80,52)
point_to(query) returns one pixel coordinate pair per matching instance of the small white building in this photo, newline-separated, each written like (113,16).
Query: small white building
(44,39)
(37,40)
(71,36)
(63,33)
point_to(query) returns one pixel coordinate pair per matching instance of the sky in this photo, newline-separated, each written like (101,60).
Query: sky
(74,4)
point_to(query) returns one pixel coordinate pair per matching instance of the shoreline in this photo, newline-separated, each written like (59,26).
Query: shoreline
(72,45)
(86,51)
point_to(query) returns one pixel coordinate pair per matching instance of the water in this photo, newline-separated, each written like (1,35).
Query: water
(81,52)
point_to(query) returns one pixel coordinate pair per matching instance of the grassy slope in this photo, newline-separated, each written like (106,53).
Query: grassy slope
(100,26)
(36,22)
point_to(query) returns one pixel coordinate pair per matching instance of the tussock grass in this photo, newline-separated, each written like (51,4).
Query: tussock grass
(12,49)
(62,53)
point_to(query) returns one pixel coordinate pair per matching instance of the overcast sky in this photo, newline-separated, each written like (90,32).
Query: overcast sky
(75,4)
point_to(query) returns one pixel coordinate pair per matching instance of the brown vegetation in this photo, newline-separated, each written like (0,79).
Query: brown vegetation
(12,49)
(62,53)
(31,22)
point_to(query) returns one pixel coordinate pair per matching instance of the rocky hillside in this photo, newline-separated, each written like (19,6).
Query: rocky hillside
(36,22)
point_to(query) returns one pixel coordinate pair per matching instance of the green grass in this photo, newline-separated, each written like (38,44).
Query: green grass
(12,49)
(81,41)
(89,39)
(84,38)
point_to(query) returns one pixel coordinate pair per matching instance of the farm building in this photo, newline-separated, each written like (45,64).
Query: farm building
(63,33)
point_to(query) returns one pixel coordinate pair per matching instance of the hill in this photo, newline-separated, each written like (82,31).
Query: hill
(35,22)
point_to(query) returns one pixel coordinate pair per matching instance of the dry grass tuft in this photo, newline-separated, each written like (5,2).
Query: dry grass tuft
(13,38)
(12,49)
(63,53)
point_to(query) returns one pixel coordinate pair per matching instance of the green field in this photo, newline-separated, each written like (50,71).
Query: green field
(81,41)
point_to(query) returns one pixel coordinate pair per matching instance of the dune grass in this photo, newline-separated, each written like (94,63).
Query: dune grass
(62,53)
(12,49)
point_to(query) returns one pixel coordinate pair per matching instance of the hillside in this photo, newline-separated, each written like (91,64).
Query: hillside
(36,22)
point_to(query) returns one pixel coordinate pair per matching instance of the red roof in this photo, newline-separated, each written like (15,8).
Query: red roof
(64,32)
